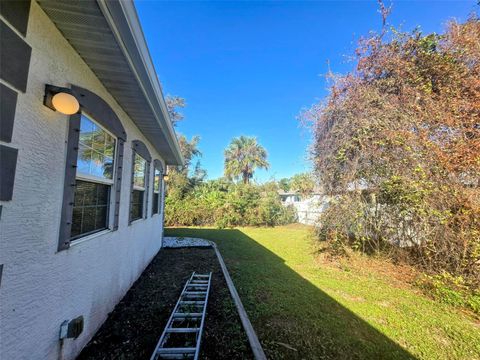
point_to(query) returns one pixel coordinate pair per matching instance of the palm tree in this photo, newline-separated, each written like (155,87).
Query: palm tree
(243,156)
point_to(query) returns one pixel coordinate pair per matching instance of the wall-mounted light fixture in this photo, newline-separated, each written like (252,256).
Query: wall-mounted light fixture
(165,176)
(61,100)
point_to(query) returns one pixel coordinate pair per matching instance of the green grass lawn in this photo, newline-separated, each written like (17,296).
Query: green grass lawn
(303,308)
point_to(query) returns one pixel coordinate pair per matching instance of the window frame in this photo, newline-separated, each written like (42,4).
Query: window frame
(97,110)
(98,180)
(140,149)
(157,165)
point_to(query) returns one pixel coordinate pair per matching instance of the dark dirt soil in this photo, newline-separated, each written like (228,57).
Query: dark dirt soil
(133,328)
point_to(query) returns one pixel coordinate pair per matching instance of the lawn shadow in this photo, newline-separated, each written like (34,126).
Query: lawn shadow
(293,318)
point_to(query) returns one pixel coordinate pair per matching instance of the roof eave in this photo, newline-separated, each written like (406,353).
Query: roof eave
(122,16)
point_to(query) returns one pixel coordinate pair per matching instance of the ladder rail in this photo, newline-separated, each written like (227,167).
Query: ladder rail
(202,322)
(164,333)
(201,301)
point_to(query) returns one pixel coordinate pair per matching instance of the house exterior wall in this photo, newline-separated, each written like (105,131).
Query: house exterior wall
(41,287)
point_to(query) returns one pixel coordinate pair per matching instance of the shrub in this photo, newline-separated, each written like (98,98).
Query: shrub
(227,205)
(397,145)
(452,290)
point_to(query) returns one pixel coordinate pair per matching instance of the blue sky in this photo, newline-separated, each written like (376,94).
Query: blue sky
(248,68)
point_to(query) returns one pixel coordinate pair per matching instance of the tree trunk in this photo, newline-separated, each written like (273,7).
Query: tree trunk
(245,176)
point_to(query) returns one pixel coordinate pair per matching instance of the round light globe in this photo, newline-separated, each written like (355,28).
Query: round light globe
(65,103)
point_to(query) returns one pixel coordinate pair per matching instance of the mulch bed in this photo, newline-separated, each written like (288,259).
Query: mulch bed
(133,328)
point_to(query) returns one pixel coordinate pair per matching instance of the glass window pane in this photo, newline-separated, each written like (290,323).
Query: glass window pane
(100,217)
(84,159)
(156,181)
(90,210)
(96,150)
(99,140)
(77,221)
(86,131)
(88,221)
(139,171)
(84,190)
(96,166)
(155,203)
(109,145)
(108,167)
(102,195)
(137,205)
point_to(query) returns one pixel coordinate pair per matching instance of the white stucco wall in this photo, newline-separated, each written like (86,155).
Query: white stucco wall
(42,287)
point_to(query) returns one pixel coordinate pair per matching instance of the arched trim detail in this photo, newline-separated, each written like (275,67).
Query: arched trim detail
(141,149)
(157,164)
(98,108)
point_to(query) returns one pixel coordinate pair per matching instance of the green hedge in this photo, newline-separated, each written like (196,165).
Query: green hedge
(223,204)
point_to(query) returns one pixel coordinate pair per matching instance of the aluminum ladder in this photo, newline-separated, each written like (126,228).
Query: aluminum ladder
(183,333)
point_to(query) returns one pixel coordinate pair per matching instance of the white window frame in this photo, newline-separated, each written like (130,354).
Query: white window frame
(140,188)
(144,187)
(159,204)
(99,180)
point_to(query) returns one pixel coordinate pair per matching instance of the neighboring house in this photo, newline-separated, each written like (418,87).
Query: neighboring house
(288,197)
(81,195)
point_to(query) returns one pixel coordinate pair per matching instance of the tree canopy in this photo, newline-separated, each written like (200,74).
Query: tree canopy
(303,183)
(242,157)
(174,102)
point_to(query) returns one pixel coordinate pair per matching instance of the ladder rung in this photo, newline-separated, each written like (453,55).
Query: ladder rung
(202,276)
(182,330)
(182,317)
(195,293)
(193,297)
(176,356)
(192,302)
(186,315)
(185,350)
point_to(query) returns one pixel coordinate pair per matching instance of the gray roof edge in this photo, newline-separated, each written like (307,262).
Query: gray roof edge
(123,20)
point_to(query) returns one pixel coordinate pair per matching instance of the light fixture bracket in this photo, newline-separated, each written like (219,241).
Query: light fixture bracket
(51,91)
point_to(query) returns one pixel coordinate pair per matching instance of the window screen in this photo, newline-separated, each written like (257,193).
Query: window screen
(90,209)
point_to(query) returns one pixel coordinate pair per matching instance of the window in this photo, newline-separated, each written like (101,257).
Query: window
(157,187)
(94,179)
(93,170)
(139,186)
(141,159)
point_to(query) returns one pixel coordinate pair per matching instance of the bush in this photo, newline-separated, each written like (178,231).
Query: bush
(452,290)
(397,145)
(221,204)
